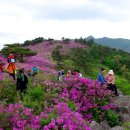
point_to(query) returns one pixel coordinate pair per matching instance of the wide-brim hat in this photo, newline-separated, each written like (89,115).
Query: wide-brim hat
(110,72)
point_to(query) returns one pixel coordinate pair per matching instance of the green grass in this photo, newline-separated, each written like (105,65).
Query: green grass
(123,84)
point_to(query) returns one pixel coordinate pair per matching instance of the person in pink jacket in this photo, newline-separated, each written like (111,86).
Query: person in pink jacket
(110,78)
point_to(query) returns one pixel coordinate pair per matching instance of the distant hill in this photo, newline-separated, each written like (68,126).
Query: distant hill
(118,43)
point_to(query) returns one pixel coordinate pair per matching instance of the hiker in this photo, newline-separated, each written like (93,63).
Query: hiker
(101,78)
(29,73)
(79,74)
(11,58)
(22,81)
(1,66)
(35,71)
(110,78)
(10,68)
(11,55)
(60,74)
(68,73)
(75,73)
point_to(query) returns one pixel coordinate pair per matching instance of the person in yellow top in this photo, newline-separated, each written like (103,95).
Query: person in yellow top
(10,68)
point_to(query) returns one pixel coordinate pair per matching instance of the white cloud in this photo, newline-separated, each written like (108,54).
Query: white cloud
(28,19)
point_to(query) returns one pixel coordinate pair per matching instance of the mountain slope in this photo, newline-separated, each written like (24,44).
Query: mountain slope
(118,43)
(43,59)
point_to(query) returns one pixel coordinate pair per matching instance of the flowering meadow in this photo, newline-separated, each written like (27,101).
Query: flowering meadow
(49,104)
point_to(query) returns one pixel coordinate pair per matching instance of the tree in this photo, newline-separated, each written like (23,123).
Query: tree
(81,59)
(21,54)
(57,56)
(34,41)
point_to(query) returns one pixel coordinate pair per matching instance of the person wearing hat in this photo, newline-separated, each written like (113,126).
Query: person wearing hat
(22,81)
(68,73)
(110,78)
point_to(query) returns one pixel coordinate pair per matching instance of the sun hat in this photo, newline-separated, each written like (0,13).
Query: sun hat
(110,72)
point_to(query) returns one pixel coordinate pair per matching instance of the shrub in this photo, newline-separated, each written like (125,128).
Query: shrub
(127,125)
(72,105)
(113,118)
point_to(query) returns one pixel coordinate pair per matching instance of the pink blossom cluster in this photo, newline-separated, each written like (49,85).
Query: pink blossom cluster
(87,95)
(18,117)
(67,119)
(2,76)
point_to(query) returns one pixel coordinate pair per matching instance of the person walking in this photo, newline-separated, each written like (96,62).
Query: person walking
(22,81)
(10,68)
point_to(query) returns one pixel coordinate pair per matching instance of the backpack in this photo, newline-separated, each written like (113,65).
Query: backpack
(8,60)
(60,73)
(12,60)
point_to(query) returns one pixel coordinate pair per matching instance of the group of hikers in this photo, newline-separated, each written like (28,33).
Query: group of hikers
(22,79)
(68,74)
(109,80)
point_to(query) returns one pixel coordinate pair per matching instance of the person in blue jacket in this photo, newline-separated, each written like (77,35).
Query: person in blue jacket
(60,74)
(101,78)
(35,71)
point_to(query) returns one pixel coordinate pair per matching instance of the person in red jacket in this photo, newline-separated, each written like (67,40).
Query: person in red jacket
(11,58)
(10,68)
(11,55)
(1,66)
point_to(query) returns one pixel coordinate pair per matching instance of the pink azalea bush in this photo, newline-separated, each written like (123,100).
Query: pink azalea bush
(89,96)
(18,117)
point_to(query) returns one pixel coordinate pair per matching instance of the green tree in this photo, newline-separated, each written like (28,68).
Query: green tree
(56,55)
(34,41)
(81,59)
(21,54)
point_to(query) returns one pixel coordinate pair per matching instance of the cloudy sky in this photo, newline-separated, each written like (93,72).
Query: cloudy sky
(22,20)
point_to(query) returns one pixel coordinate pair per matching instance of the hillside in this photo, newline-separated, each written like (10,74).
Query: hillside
(43,59)
(118,43)
(75,103)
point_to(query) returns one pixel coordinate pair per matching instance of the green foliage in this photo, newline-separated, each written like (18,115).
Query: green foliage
(20,53)
(56,55)
(96,114)
(81,59)
(3,121)
(37,93)
(47,121)
(34,98)
(110,62)
(123,84)
(112,118)
(8,91)
(34,41)
(126,125)
(72,105)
